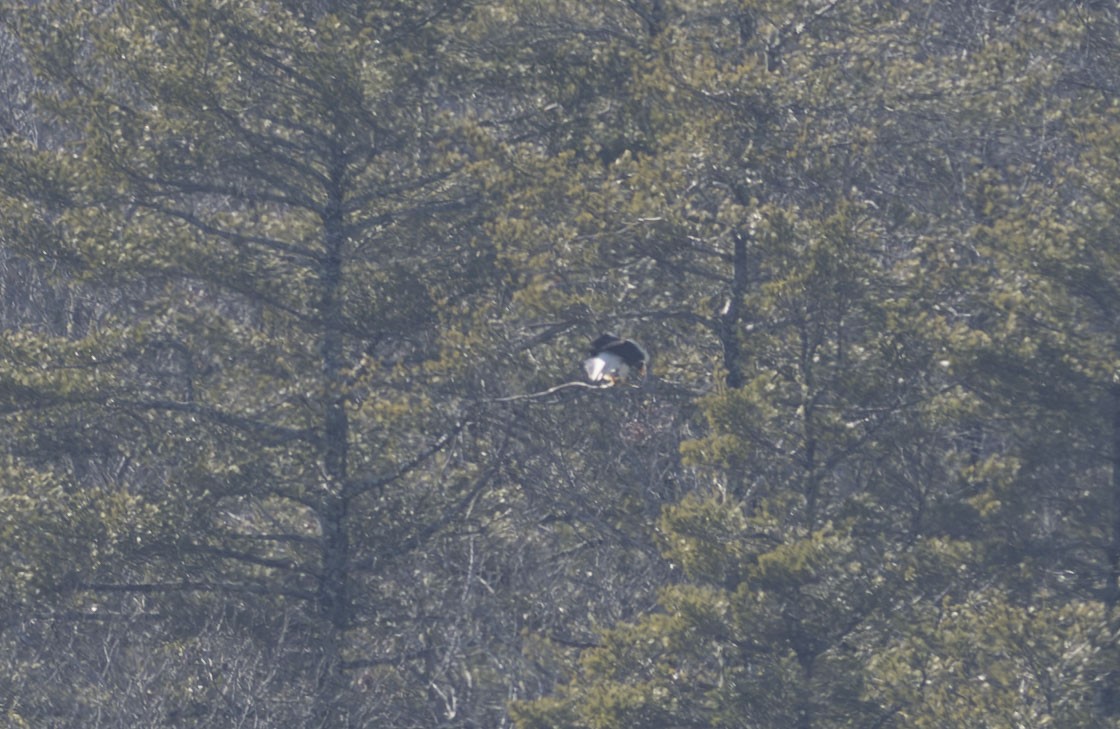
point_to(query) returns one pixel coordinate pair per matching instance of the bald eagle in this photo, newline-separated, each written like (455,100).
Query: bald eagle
(614,360)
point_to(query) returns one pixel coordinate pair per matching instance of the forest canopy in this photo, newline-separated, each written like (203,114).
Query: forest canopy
(293,295)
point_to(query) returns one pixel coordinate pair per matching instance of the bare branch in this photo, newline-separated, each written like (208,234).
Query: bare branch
(549,391)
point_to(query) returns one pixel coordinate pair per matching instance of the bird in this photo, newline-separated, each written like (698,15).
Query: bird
(614,360)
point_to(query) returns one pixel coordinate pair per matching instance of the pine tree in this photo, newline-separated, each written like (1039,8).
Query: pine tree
(281,195)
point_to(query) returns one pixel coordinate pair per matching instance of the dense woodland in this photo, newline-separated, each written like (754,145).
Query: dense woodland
(287,286)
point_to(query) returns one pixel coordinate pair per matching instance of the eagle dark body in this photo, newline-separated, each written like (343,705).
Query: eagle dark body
(614,360)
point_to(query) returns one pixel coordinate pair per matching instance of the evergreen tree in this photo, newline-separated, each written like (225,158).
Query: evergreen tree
(278,197)
(860,462)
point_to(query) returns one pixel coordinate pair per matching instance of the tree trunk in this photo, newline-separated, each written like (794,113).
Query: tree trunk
(1112,592)
(333,593)
(729,319)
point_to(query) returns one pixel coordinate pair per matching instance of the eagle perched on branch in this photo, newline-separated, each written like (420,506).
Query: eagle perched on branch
(614,360)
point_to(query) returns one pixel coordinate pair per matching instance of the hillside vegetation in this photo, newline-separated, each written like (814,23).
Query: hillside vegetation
(287,288)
